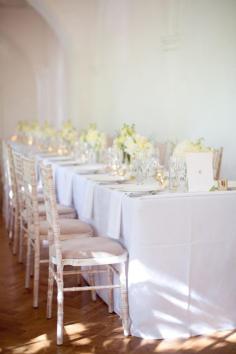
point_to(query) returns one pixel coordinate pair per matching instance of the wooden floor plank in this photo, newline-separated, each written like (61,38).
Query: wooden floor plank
(88,326)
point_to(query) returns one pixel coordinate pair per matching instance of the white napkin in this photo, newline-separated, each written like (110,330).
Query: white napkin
(87,211)
(115,214)
(63,178)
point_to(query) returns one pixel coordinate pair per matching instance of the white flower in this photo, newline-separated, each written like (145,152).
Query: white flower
(126,132)
(48,131)
(68,133)
(94,138)
(132,143)
(187,146)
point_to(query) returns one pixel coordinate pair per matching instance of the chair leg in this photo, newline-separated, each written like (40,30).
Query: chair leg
(36,275)
(110,291)
(8,219)
(50,290)
(10,227)
(92,283)
(21,244)
(79,277)
(16,231)
(31,262)
(60,313)
(28,263)
(124,300)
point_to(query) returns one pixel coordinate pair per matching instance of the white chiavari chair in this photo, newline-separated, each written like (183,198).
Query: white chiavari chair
(6,181)
(38,227)
(23,230)
(13,201)
(217,162)
(90,252)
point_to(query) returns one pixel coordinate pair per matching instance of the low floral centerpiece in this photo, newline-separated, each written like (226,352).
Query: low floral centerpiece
(29,132)
(93,138)
(93,142)
(68,135)
(48,139)
(188,146)
(131,143)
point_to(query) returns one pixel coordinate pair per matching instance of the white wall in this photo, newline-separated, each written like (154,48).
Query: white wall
(167,65)
(31,69)
(17,88)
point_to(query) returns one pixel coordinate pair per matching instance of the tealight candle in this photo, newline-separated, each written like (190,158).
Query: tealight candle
(222,184)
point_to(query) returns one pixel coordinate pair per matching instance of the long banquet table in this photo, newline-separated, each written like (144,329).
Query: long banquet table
(181,276)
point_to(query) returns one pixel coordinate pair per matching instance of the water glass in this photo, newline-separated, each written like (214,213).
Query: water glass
(177,174)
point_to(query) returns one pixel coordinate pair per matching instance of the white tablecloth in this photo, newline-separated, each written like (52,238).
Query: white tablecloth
(182,259)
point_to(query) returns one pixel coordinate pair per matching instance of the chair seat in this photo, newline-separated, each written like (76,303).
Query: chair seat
(63,211)
(90,248)
(68,226)
(40,198)
(67,212)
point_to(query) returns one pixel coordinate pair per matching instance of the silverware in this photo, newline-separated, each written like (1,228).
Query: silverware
(141,194)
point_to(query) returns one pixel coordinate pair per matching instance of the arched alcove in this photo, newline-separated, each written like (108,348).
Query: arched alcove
(18,96)
(40,61)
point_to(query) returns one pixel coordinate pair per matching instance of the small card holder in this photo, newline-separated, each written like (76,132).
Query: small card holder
(222,184)
(199,171)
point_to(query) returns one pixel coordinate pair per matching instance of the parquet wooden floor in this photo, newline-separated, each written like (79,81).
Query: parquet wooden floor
(89,327)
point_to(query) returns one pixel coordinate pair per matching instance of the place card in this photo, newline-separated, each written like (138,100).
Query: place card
(199,171)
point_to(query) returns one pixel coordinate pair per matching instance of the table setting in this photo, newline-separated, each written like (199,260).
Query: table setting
(176,221)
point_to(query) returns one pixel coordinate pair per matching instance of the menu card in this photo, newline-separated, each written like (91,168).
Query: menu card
(199,171)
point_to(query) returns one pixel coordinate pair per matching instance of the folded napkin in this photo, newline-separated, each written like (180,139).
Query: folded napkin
(63,179)
(87,210)
(115,214)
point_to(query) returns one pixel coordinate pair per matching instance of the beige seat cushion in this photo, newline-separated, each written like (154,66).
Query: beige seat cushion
(70,213)
(68,226)
(67,212)
(40,189)
(40,198)
(90,247)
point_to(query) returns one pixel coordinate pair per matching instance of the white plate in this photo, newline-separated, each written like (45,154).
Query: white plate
(140,188)
(59,158)
(48,154)
(107,178)
(69,163)
(231,184)
(88,169)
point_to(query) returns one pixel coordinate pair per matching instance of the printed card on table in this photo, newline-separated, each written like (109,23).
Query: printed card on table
(200,171)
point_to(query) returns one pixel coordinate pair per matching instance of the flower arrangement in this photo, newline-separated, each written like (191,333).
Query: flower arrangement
(68,133)
(132,143)
(126,132)
(95,139)
(48,131)
(187,146)
(29,131)
(23,126)
(28,127)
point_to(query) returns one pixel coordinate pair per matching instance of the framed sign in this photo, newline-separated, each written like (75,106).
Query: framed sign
(199,171)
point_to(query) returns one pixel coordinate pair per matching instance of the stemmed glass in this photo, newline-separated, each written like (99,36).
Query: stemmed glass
(144,166)
(114,159)
(177,174)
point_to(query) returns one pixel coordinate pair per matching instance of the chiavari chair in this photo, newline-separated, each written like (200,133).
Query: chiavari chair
(79,252)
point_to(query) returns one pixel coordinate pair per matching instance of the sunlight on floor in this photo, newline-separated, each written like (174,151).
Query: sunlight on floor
(33,346)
